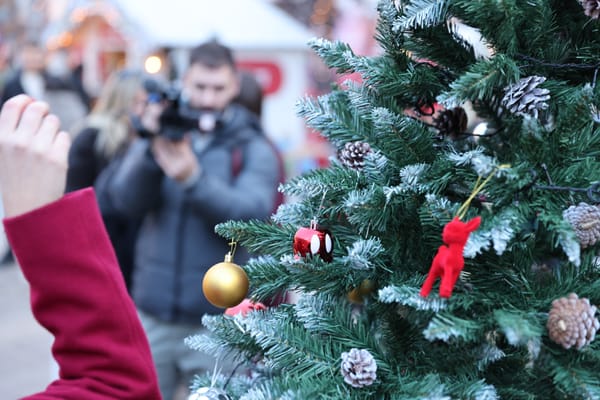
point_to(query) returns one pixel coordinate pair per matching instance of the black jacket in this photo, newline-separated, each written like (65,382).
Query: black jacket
(85,166)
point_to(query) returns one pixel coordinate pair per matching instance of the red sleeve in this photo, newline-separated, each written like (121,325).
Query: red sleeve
(78,294)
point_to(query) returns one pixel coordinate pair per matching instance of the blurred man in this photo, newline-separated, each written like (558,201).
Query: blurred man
(30,76)
(182,181)
(33,78)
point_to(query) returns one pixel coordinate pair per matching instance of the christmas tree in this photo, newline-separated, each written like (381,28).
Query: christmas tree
(450,250)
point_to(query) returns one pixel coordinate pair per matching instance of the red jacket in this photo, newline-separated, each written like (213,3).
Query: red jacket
(78,294)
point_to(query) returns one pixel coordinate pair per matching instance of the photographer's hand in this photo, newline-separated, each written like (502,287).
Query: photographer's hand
(176,158)
(33,155)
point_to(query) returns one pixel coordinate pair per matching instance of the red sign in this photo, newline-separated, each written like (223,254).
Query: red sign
(267,73)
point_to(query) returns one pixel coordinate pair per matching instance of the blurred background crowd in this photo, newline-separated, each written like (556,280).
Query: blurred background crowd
(83,41)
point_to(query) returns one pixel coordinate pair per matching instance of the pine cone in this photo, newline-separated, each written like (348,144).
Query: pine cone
(353,154)
(571,322)
(585,220)
(591,8)
(525,98)
(359,368)
(451,122)
(209,393)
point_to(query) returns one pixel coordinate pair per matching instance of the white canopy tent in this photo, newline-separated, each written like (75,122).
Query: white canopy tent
(243,24)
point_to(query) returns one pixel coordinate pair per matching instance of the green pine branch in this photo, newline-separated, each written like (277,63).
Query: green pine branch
(421,14)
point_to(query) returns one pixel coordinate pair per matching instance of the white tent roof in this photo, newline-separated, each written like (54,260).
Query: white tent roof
(241,24)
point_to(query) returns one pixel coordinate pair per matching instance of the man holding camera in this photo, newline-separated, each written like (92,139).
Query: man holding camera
(183,181)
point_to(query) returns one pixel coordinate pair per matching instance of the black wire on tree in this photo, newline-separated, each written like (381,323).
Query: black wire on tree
(592,191)
(542,63)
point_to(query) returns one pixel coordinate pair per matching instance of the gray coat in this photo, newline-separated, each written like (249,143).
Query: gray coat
(177,243)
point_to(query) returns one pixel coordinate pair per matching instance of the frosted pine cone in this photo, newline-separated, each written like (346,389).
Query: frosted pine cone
(451,122)
(591,8)
(359,368)
(585,220)
(571,322)
(353,154)
(525,98)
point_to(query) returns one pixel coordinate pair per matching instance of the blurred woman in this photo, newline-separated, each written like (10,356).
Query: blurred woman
(106,134)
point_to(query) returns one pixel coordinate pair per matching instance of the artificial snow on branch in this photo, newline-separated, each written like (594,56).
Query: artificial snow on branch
(409,296)
(362,254)
(446,327)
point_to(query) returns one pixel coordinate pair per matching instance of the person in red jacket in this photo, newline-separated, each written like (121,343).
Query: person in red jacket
(77,291)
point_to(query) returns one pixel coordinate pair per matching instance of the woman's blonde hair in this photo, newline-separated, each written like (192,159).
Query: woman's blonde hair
(111,113)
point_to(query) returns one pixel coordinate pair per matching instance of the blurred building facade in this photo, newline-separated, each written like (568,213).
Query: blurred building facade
(269,37)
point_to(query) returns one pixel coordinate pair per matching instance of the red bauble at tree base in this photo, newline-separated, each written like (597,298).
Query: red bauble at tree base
(449,260)
(313,241)
(244,308)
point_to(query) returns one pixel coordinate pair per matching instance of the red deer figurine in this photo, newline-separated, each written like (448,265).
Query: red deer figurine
(449,260)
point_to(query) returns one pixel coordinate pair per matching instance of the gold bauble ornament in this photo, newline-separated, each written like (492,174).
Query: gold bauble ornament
(225,284)
(358,294)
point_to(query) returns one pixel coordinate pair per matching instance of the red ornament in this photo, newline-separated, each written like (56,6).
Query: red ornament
(313,241)
(449,260)
(244,308)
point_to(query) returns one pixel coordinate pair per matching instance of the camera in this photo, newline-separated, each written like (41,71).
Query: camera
(178,117)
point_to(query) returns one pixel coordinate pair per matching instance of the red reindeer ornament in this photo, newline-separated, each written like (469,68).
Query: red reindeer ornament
(449,260)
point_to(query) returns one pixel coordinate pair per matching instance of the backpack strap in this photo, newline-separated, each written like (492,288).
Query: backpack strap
(237,160)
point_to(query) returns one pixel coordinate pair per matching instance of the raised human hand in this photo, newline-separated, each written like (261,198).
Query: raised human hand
(33,155)
(176,158)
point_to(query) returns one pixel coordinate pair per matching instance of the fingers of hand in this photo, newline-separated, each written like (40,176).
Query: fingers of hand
(158,149)
(27,127)
(56,151)
(175,158)
(62,143)
(33,155)
(165,149)
(46,134)
(49,141)
(11,113)
(31,120)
